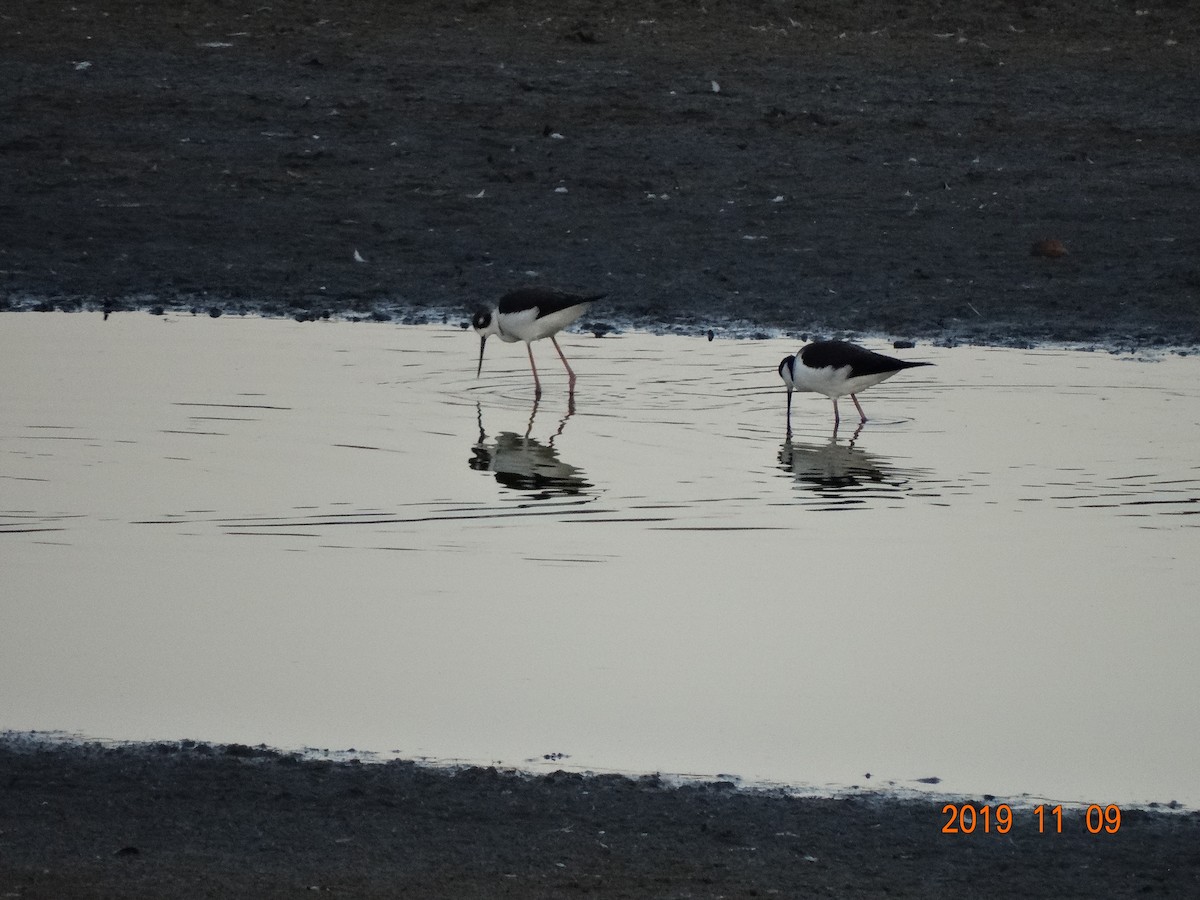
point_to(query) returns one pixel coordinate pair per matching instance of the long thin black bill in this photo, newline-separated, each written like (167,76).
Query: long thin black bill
(482,343)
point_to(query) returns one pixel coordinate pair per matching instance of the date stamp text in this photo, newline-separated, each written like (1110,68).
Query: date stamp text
(966,818)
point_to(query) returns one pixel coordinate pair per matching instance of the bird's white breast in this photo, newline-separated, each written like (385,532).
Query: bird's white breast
(833,382)
(525,325)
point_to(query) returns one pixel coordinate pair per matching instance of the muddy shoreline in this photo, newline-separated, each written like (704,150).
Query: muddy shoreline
(792,167)
(188,819)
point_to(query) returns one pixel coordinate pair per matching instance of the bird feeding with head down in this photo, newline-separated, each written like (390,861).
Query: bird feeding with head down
(835,369)
(530,314)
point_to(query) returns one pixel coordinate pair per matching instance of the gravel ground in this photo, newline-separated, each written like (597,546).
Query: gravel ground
(875,167)
(192,820)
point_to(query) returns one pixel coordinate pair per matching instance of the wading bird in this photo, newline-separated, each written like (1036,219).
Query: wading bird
(835,369)
(530,314)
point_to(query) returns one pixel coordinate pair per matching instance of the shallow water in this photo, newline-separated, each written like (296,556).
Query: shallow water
(334,535)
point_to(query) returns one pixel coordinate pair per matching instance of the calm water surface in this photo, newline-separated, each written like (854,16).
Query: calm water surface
(333,535)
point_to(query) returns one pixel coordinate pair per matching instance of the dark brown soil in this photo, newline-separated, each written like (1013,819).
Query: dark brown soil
(878,167)
(234,156)
(198,821)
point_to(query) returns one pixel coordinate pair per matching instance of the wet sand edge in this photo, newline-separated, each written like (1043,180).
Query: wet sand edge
(183,818)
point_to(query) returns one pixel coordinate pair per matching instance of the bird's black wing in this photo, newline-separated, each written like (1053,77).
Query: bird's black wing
(836,354)
(546,300)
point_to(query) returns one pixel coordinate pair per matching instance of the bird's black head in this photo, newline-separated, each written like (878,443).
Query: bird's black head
(785,368)
(482,319)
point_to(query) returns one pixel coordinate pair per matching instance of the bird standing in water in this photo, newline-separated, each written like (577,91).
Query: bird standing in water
(530,314)
(835,369)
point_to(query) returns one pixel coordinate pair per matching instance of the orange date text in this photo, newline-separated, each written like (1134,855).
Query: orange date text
(966,818)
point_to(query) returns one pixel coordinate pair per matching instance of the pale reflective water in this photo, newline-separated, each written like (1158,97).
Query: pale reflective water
(334,535)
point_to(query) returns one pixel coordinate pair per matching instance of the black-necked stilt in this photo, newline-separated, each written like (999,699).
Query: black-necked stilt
(530,314)
(835,369)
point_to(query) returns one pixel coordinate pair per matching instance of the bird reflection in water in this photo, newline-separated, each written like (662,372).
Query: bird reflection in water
(840,472)
(524,464)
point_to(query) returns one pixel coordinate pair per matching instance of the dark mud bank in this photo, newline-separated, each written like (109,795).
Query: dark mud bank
(186,819)
(785,167)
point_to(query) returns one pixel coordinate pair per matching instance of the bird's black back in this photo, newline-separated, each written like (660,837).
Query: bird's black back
(547,300)
(835,354)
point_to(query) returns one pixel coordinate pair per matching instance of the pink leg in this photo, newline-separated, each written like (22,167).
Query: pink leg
(862,414)
(554,341)
(537,385)
(836,418)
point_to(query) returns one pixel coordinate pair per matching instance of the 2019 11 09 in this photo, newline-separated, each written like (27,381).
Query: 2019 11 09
(968,818)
